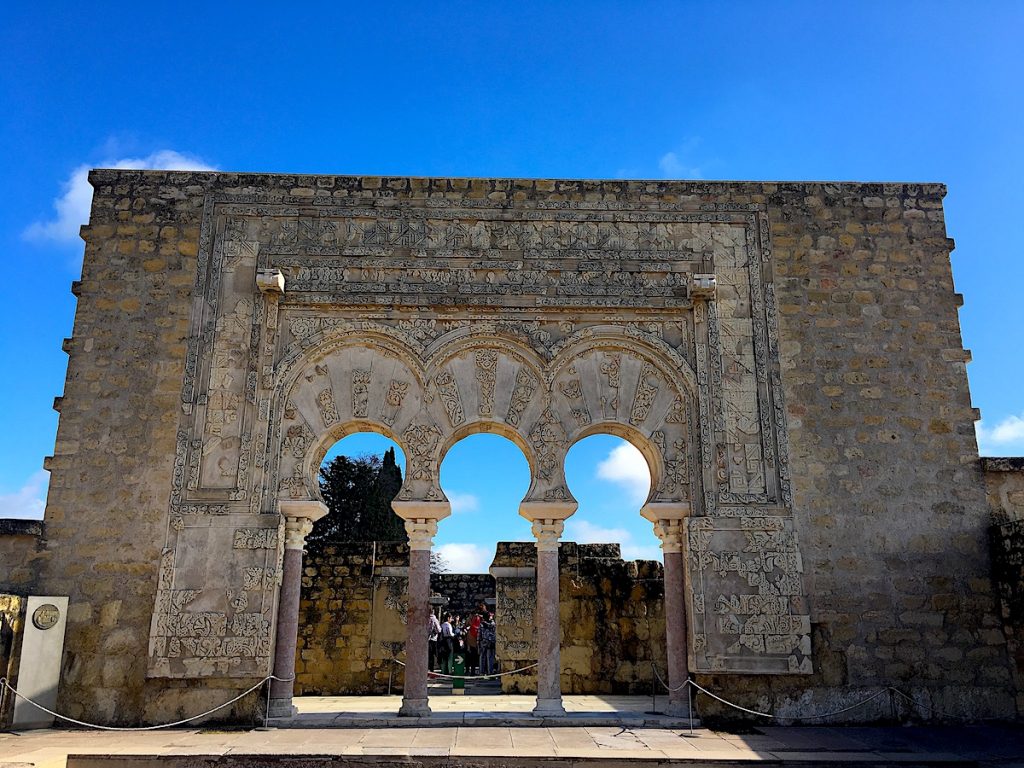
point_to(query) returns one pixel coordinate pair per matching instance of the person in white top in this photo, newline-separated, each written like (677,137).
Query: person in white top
(445,645)
(433,632)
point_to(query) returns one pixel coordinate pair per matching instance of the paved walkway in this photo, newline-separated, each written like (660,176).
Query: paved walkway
(986,745)
(617,736)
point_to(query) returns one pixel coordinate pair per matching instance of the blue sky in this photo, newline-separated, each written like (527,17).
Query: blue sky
(857,91)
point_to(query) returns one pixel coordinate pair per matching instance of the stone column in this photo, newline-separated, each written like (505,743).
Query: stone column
(547,519)
(669,526)
(421,518)
(299,517)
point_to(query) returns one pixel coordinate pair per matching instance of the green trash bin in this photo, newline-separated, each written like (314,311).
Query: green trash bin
(458,670)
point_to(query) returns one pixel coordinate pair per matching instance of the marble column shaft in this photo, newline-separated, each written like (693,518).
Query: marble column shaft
(281,690)
(675,631)
(670,531)
(549,631)
(415,702)
(417,622)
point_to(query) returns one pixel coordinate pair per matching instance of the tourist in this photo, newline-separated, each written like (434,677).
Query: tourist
(446,646)
(472,644)
(488,639)
(433,632)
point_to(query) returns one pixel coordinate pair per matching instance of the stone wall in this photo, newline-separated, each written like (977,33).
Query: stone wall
(1004,482)
(1004,478)
(882,488)
(20,544)
(611,611)
(351,619)
(463,590)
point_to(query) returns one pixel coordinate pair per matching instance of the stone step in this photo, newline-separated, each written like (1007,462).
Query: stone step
(484,719)
(399,758)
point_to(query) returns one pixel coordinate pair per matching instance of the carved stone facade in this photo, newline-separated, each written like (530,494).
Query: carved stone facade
(786,356)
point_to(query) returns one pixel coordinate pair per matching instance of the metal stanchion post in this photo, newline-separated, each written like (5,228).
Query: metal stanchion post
(654,690)
(689,696)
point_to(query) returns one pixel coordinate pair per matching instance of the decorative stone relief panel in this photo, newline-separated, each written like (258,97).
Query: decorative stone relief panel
(747,601)
(211,619)
(427,319)
(390,603)
(516,601)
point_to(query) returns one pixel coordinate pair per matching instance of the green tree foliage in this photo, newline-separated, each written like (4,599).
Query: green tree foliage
(358,493)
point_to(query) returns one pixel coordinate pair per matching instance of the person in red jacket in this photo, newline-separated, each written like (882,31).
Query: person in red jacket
(473,645)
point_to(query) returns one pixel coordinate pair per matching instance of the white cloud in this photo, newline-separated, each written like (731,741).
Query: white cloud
(72,207)
(672,166)
(463,502)
(627,467)
(466,558)
(29,501)
(640,552)
(1006,437)
(584,532)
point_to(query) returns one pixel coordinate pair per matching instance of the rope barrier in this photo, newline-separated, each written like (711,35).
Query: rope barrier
(475,677)
(37,705)
(687,683)
(869,699)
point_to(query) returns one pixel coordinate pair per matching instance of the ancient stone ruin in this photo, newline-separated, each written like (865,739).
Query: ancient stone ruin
(787,357)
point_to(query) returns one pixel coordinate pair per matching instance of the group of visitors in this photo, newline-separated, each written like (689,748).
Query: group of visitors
(473,637)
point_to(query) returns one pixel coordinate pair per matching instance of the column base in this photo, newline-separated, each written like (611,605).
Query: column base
(282,708)
(678,708)
(414,708)
(549,708)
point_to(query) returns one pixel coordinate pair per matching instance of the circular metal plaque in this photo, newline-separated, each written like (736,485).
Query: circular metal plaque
(45,616)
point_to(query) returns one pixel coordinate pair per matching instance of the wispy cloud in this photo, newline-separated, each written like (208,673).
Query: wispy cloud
(680,162)
(1006,437)
(463,502)
(71,208)
(466,558)
(29,501)
(627,467)
(585,532)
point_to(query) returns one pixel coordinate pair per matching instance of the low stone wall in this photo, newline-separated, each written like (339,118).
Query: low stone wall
(20,544)
(1004,481)
(463,590)
(611,611)
(352,617)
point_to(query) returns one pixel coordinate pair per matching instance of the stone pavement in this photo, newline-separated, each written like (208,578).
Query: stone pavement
(537,746)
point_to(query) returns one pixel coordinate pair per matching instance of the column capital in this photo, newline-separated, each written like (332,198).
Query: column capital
(299,517)
(668,519)
(421,533)
(296,529)
(548,532)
